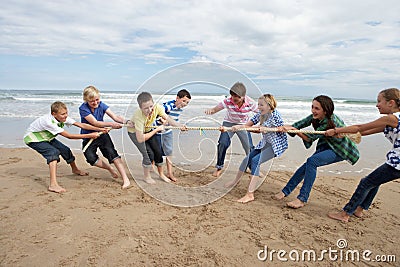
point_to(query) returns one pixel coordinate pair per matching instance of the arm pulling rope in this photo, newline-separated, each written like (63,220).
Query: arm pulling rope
(354,137)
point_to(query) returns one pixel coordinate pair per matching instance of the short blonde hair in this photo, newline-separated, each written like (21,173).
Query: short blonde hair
(270,99)
(57,106)
(90,92)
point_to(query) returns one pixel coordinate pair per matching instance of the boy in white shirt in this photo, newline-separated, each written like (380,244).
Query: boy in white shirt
(41,136)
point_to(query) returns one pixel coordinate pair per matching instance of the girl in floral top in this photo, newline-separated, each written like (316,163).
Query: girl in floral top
(272,145)
(329,150)
(388,103)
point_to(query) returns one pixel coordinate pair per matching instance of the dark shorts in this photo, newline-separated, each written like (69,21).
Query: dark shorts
(106,146)
(52,150)
(150,150)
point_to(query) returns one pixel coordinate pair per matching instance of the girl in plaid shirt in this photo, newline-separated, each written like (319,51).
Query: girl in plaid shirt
(329,150)
(272,145)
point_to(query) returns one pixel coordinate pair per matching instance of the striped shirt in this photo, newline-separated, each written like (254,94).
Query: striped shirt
(45,129)
(236,114)
(393,135)
(278,140)
(172,111)
(343,147)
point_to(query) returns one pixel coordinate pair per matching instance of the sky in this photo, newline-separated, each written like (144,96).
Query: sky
(348,49)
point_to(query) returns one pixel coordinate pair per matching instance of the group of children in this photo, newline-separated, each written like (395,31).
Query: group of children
(146,130)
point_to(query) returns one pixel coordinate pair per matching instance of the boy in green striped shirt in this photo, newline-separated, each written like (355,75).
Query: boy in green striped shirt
(41,136)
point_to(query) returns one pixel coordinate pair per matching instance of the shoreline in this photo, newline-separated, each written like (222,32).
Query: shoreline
(372,148)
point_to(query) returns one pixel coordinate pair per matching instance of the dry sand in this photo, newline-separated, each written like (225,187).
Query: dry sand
(96,223)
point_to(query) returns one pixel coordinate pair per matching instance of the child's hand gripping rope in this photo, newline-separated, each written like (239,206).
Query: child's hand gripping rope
(96,135)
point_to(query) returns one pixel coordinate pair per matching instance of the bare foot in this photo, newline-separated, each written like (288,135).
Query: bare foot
(217,173)
(113,172)
(79,172)
(149,180)
(56,189)
(359,212)
(165,178)
(126,185)
(295,204)
(340,216)
(172,177)
(247,198)
(279,196)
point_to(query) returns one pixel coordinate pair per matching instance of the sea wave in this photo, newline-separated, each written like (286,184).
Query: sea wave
(34,103)
(7,98)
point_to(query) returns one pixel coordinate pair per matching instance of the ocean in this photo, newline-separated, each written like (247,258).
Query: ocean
(18,108)
(34,103)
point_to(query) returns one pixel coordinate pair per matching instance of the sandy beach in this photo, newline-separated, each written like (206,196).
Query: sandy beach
(96,223)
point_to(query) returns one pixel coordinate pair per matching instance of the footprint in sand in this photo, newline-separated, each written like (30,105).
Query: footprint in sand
(10,161)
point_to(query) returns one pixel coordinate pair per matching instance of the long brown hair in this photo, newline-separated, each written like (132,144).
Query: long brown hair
(327,106)
(391,94)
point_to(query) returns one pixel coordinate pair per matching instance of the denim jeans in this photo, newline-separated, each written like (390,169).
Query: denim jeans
(166,141)
(368,187)
(52,150)
(224,142)
(255,158)
(308,171)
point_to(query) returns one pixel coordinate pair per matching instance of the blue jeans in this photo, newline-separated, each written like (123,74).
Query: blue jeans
(255,158)
(166,141)
(52,150)
(369,186)
(308,171)
(224,142)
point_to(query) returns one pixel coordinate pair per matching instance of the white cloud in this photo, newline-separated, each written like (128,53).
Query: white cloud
(336,43)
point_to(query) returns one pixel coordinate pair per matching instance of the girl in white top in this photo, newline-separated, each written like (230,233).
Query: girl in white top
(388,103)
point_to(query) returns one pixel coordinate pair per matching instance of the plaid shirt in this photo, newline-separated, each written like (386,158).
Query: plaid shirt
(278,140)
(343,147)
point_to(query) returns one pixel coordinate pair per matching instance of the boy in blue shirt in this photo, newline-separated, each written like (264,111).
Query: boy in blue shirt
(92,111)
(172,108)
